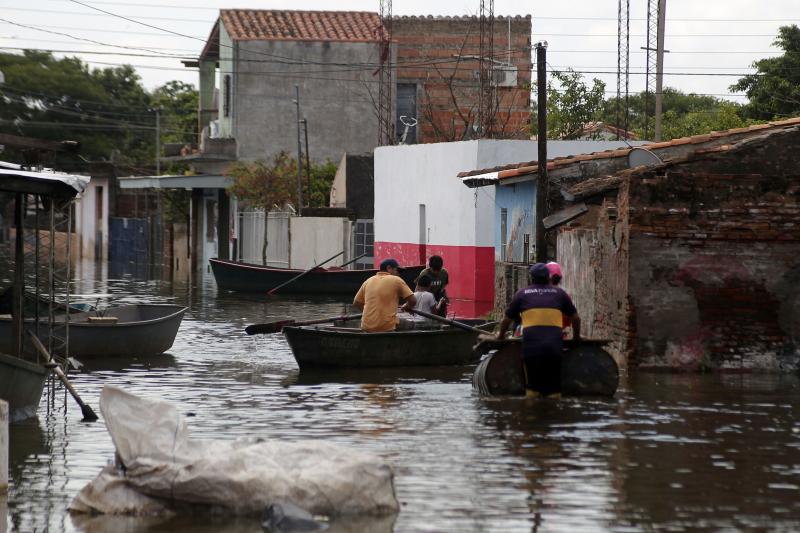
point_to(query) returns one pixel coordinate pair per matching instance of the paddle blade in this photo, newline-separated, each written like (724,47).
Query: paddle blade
(270,327)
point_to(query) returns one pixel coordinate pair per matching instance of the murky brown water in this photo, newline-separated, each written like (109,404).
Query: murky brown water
(669,453)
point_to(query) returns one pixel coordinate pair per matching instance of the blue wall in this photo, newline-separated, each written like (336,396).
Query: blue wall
(518,199)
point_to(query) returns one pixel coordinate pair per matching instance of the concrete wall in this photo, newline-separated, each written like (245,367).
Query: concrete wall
(227,66)
(315,239)
(91,224)
(459,222)
(340,112)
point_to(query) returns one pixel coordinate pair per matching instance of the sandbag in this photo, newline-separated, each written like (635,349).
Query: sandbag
(159,461)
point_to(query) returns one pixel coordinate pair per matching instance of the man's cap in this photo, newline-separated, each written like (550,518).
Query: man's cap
(539,272)
(386,263)
(554,269)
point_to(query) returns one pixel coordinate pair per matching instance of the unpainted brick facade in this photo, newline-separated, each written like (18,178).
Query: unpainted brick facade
(440,55)
(695,264)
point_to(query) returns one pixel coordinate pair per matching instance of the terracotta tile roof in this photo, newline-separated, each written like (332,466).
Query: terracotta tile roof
(531,167)
(281,25)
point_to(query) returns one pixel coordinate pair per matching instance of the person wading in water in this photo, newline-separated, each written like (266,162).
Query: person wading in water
(539,308)
(379,297)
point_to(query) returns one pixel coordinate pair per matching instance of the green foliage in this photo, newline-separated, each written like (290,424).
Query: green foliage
(263,185)
(321,182)
(178,102)
(724,117)
(774,90)
(107,110)
(176,204)
(571,104)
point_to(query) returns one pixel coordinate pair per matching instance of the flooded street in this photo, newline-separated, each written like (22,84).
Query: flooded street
(668,453)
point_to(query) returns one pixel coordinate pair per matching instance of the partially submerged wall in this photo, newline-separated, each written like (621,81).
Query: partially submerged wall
(715,260)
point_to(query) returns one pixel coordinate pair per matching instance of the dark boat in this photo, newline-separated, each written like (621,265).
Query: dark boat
(349,347)
(124,331)
(246,277)
(21,385)
(586,369)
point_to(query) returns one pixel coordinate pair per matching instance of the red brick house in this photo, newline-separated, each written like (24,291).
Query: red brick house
(694,263)
(438,77)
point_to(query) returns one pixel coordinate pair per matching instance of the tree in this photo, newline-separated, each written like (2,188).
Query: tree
(774,90)
(322,176)
(724,117)
(571,104)
(107,110)
(178,102)
(263,185)
(684,114)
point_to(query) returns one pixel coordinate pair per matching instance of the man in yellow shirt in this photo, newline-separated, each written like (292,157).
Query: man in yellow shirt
(379,297)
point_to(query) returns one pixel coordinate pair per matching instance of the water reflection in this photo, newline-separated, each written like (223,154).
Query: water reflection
(668,453)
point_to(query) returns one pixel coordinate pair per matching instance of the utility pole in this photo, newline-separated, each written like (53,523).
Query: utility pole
(541,183)
(299,152)
(308,164)
(158,141)
(662,17)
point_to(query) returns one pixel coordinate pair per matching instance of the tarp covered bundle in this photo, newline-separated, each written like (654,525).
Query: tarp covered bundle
(160,469)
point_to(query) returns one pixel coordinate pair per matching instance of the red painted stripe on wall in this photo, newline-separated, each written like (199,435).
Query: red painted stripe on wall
(471,268)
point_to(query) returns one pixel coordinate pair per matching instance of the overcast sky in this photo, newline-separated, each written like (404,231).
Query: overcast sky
(708,39)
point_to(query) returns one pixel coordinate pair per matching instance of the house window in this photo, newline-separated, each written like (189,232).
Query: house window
(226,89)
(365,238)
(406,121)
(503,232)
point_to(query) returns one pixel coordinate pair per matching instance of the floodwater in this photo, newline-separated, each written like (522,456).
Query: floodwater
(668,453)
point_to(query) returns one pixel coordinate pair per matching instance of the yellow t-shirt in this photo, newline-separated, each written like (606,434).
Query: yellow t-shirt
(380,296)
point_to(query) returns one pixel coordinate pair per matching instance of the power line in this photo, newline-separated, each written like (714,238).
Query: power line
(576,19)
(79,38)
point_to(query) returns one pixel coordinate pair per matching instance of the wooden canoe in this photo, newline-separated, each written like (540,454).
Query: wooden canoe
(246,277)
(585,370)
(123,331)
(348,347)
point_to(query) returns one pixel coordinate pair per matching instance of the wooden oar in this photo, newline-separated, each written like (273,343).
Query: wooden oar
(275,327)
(352,260)
(88,413)
(301,274)
(449,322)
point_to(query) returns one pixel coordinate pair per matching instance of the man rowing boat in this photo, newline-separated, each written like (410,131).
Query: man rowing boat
(379,297)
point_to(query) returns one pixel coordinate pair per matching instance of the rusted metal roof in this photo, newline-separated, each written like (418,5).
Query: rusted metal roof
(282,25)
(531,167)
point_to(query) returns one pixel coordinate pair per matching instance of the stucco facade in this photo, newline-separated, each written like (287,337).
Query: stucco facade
(337,104)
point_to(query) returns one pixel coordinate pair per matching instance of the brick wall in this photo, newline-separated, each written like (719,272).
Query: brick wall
(715,260)
(440,56)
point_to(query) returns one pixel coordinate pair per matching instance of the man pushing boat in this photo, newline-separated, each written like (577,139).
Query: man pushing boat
(380,296)
(540,308)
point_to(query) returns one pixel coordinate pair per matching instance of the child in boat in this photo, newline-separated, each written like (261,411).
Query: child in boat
(439,279)
(425,302)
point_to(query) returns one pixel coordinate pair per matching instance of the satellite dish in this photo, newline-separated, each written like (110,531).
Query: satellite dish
(638,157)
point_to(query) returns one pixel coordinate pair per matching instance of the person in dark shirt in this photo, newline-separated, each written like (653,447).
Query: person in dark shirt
(439,280)
(539,308)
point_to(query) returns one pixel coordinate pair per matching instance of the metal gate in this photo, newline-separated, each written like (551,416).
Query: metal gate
(128,247)
(251,237)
